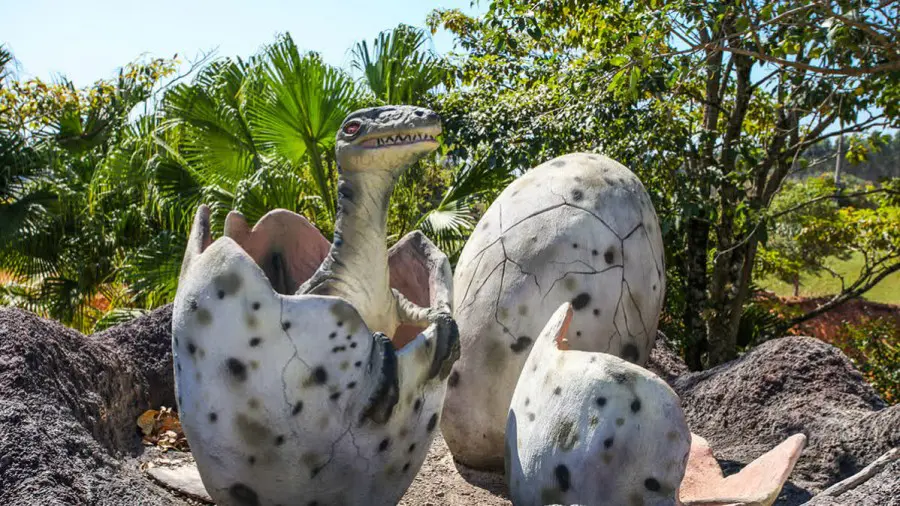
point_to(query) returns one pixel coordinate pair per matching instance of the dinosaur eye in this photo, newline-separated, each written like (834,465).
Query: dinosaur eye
(351,128)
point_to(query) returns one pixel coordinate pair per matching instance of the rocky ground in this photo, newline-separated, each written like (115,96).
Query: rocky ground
(68,405)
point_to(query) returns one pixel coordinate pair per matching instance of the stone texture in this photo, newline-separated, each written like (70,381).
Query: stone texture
(184,478)
(664,361)
(787,386)
(68,405)
(880,488)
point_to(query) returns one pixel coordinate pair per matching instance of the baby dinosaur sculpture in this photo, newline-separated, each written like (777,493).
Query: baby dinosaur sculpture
(290,398)
(590,428)
(374,146)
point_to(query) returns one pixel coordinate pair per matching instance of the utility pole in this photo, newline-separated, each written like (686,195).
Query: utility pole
(837,162)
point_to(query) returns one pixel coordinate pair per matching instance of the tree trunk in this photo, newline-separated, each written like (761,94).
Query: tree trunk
(730,289)
(698,226)
(725,272)
(796,285)
(695,300)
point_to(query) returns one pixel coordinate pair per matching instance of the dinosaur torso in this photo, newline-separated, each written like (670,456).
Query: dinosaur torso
(357,270)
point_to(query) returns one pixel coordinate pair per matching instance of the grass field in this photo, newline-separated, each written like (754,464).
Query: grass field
(888,290)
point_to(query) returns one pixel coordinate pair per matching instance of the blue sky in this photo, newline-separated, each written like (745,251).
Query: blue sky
(89,39)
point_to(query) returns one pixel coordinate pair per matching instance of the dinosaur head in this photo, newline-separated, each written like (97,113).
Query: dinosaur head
(386,138)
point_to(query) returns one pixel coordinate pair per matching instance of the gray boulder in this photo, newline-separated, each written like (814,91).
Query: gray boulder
(783,387)
(68,405)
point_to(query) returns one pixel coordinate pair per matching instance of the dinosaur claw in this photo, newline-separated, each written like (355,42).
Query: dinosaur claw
(446,340)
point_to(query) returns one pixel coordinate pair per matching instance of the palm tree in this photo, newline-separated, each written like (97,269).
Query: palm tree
(240,127)
(305,104)
(95,210)
(72,204)
(398,68)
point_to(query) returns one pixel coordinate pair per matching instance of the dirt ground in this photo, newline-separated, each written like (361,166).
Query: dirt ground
(442,482)
(828,325)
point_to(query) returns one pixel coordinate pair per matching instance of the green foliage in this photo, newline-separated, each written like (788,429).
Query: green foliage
(306,103)
(874,348)
(397,69)
(711,104)
(797,242)
(874,157)
(71,204)
(817,225)
(759,323)
(95,205)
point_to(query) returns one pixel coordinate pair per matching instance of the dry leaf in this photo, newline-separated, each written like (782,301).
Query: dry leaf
(163,429)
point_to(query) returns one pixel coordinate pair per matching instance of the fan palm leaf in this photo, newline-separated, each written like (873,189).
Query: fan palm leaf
(304,105)
(397,68)
(216,139)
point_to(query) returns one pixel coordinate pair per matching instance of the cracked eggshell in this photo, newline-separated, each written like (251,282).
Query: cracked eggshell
(273,390)
(591,428)
(579,229)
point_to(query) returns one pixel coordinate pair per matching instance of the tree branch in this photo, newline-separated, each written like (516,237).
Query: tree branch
(857,479)
(858,288)
(844,71)
(856,127)
(825,197)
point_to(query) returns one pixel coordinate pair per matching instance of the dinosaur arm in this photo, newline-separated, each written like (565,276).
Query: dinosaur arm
(431,354)
(411,313)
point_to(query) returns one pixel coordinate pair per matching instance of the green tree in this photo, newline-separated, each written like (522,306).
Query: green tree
(398,68)
(793,246)
(813,221)
(722,97)
(240,129)
(95,208)
(70,207)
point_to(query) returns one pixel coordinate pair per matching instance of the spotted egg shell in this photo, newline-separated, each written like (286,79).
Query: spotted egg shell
(579,229)
(591,428)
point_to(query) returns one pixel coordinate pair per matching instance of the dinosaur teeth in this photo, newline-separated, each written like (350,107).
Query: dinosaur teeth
(392,140)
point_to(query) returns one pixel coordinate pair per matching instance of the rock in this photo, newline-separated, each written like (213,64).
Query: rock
(68,409)
(579,228)
(664,360)
(878,483)
(184,479)
(784,387)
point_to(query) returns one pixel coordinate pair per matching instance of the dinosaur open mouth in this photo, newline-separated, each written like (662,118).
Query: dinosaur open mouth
(397,140)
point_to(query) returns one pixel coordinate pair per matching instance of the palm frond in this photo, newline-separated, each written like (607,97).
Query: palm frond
(117,316)
(397,68)
(154,267)
(305,104)
(449,226)
(216,139)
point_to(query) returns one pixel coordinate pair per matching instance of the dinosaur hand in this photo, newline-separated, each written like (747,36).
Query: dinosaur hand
(446,342)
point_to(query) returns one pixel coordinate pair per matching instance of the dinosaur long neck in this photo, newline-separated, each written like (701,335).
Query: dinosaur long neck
(358,259)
